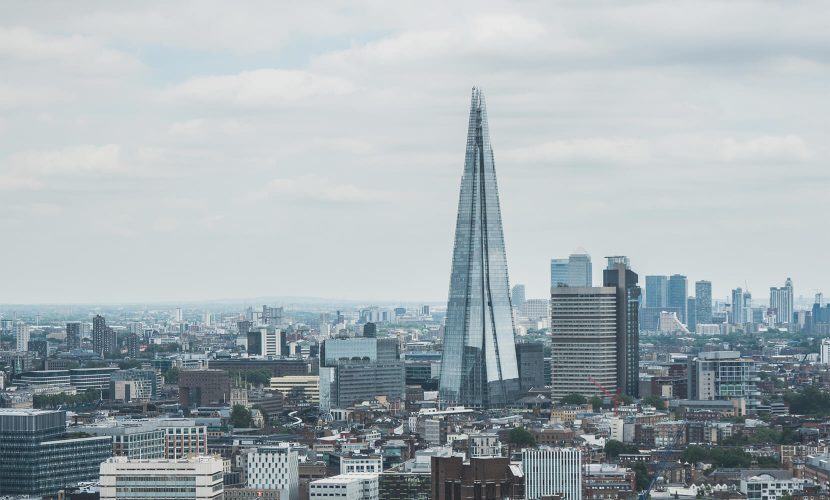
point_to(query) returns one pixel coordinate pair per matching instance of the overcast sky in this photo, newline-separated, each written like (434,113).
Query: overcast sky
(164,151)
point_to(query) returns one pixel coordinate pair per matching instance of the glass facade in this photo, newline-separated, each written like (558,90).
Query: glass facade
(479,367)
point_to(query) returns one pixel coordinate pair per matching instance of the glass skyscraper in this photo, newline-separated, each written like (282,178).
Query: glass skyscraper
(558,272)
(678,295)
(478,367)
(657,291)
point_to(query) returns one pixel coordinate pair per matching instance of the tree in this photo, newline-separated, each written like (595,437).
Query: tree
(596,403)
(655,401)
(240,416)
(171,376)
(520,436)
(614,448)
(574,399)
(641,473)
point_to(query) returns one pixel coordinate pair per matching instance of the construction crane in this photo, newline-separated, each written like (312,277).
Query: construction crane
(661,464)
(616,398)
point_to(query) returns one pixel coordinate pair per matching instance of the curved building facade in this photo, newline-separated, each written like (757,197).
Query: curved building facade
(479,366)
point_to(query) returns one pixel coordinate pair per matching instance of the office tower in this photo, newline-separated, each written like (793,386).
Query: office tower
(104,340)
(21,335)
(370,330)
(73,335)
(558,272)
(583,340)
(193,478)
(38,458)
(580,273)
(781,300)
(133,345)
(536,309)
(703,302)
(691,311)
(134,385)
(678,293)
(272,315)
(531,359)
(478,367)
(725,375)
(360,369)
(39,348)
(737,317)
(177,315)
(746,303)
(825,351)
(273,467)
(619,275)
(657,291)
(203,387)
(552,472)
(518,295)
(267,341)
(139,439)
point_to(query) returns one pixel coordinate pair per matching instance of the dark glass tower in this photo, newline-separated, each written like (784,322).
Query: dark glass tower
(478,367)
(619,275)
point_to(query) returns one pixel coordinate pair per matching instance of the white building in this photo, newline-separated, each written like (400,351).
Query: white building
(825,351)
(198,478)
(345,487)
(358,464)
(768,484)
(21,334)
(182,437)
(275,468)
(552,471)
(484,444)
(535,309)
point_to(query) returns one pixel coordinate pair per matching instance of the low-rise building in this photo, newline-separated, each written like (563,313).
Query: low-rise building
(197,478)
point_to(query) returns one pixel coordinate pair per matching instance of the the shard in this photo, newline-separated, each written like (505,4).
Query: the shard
(478,367)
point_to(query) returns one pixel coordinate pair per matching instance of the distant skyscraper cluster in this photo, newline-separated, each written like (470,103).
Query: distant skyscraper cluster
(576,270)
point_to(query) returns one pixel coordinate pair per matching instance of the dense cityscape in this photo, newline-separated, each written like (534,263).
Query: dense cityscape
(613,387)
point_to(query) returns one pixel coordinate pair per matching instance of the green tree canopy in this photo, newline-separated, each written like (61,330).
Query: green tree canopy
(614,448)
(240,416)
(520,436)
(574,399)
(655,401)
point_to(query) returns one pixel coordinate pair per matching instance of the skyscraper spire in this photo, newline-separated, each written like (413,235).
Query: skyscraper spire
(479,360)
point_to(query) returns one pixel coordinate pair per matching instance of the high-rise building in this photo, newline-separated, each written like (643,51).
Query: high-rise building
(583,340)
(558,272)
(478,366)
(193,478)
(353,382)
(678,293)
(737,317)
(273,467)
(781,300)
(703,302)
(267,341)
(657,291)
(370,330)
(619,275)
(825,351)
(580,272)
(73,335)
(536,309)
(552,472)
(518,295)
(21,335)
(691,311)
(38,458)
(104,340)
(531,359)
(272,315)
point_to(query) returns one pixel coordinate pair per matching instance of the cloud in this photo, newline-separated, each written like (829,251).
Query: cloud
(582,150)
(312,188)
(75,54)
(257,89)
(32,169)
(765,149)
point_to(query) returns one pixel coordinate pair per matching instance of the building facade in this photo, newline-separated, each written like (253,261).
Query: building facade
(552,472)
(273,467)
(583,340)
(678,295)
(479,359)
(196,478)
(619,275)
(703,302)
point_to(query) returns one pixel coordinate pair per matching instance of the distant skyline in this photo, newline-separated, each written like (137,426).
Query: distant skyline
(183,152)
